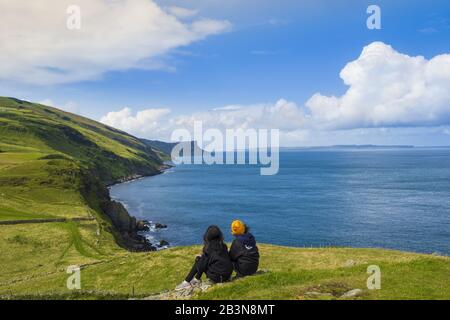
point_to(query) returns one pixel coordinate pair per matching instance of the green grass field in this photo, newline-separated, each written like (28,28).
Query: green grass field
(55,164)
(34,263)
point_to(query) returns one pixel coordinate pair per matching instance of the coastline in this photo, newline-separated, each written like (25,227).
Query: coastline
(135,177)
(129,228)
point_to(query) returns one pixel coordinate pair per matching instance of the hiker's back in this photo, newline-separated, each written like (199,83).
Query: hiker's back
(220,267)
(245,254)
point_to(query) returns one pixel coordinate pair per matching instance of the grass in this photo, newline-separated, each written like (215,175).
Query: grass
(55,164)
(110,272)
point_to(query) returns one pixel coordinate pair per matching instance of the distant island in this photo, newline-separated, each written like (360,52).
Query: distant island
(353,146)
(372,146)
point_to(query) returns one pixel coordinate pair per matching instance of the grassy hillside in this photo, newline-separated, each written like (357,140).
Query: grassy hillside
(42,254)
(55,164)
(164,147)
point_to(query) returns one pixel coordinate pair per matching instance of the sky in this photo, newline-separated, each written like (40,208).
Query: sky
(309,68)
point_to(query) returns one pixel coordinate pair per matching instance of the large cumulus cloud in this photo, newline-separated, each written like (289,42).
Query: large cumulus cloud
(387,88)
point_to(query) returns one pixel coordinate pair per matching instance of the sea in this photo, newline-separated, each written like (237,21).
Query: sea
(396,198)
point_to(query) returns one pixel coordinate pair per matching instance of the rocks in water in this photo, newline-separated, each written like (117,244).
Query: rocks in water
(160,226)
(142,225)
(129,178)
(146,228)
(352,294)
(163,243)
(152,226)
(126,227)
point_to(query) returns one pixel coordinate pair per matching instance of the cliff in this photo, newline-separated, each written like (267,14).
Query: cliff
(55,164)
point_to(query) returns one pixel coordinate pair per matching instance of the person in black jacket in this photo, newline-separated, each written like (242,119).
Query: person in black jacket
(214,261)
(243,252)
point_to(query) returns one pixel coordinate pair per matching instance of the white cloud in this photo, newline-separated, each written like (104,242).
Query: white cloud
(36,46)
(386,90)
(228,108)
(181,12)
(144,123)
(156,123)
(69,106)
(282,114)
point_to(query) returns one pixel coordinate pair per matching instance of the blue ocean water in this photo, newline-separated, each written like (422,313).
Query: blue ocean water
(386,198)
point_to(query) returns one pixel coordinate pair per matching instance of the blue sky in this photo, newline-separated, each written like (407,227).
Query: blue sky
(272,50)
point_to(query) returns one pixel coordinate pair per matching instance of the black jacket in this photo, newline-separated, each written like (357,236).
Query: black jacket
(215,262)
(245,254)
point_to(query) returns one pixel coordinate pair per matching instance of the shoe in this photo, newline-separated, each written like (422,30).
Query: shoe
(196,282)
(182,286)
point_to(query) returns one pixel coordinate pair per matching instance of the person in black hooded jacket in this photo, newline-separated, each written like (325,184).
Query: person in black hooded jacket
(214,261)
(243,252)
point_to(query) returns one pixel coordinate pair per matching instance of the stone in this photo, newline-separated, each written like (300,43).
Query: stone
(163,243)
(184,294)
(141,226)
(204,287)
(262,271)
(318,294)
(349,263)
(352,293)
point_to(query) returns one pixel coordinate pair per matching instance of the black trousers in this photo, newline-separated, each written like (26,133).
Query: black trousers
(199,268)
(196,271)
(243,270)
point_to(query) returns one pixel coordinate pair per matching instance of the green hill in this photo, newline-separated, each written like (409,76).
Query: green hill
(54,164)
(55,211)
(165,147)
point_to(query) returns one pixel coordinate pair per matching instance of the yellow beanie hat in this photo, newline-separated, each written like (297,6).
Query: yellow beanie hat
(237,228)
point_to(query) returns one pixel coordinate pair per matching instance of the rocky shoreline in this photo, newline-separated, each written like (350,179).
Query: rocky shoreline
(135,177)
(132,231)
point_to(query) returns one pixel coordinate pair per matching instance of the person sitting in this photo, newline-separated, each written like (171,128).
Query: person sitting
(214,261)
(243,252)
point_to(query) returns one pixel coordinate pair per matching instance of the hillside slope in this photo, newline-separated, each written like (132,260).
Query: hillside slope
(165,147)
(290,273)
(54,164)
